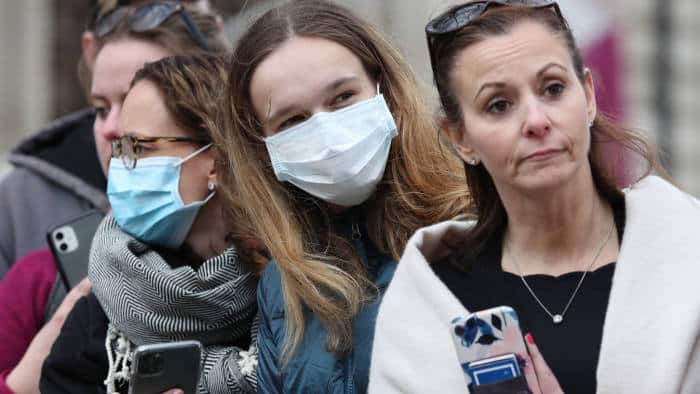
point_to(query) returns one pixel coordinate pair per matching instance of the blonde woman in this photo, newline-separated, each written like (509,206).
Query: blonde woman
(333,153)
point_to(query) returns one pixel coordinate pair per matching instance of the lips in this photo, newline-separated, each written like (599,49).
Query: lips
(542,154)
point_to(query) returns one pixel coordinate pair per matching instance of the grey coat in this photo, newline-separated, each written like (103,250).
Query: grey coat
(56,177)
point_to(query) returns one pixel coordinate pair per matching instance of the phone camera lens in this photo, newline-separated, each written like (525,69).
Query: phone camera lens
(59,236)
(63,247)
(151,364)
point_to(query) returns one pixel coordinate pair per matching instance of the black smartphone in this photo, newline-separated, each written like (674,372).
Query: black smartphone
(70,244)
(163,366)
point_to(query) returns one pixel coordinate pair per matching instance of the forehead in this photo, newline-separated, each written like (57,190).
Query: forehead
(518,53)
(300,67)
(145,113)
(118,61)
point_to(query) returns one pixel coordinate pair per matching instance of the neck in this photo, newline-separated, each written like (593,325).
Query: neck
(559,231)
(207,238)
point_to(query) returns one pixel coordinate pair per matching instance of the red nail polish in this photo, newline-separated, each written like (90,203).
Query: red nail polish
(529,339)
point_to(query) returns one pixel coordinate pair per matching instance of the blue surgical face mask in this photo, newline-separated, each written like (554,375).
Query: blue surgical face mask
(146,200)
(337,156)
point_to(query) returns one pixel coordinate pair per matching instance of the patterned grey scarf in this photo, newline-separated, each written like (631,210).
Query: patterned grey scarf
(147,301)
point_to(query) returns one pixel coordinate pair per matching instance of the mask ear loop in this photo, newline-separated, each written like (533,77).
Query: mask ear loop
(195,153)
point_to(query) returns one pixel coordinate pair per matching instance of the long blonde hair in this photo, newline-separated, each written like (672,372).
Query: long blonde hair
(421,185)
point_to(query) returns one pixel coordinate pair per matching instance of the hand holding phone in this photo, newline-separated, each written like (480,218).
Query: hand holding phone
(160,367)
(494,357)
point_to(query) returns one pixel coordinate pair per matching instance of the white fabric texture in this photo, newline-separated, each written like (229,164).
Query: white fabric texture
(650,334)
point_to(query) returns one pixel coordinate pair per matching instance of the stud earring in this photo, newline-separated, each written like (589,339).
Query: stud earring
(473,161)
(211,186)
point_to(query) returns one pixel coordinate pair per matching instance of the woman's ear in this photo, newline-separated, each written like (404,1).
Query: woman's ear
(212,182)
(455,134)
(589,88)
(87,42)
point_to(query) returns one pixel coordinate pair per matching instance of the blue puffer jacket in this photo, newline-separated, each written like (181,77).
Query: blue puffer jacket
(313,369)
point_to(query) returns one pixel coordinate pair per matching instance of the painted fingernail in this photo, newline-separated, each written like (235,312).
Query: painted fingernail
(529,339)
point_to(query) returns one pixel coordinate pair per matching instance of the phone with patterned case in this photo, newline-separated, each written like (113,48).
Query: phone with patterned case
(492,334)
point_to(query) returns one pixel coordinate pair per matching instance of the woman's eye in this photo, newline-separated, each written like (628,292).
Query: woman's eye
(101,112)
(497,106)
(291,122)
(342,98)
(554,89)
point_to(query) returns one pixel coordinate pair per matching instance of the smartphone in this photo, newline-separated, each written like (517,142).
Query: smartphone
(163,366)
(70,244)
(489,345)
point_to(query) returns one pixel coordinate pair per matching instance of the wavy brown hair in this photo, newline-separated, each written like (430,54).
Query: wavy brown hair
(319,269)
(491,214)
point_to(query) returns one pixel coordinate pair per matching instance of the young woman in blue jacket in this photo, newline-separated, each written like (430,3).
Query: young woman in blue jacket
(336,161)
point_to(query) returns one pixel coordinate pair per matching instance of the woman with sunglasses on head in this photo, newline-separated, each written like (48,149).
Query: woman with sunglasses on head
(165,238)
(603,279)
(334,168)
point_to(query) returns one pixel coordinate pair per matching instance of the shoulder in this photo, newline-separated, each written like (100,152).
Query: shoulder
(654,205)
(57,129)
(270,297)
(35,268)
(20,180)
(416,310)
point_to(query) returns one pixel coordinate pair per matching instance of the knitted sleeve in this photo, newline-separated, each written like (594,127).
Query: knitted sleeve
(227,369)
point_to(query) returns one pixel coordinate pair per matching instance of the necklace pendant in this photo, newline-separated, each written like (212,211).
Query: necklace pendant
(557,319)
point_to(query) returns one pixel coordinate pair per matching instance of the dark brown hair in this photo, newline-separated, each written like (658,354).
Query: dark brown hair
(320,270)
(491,215)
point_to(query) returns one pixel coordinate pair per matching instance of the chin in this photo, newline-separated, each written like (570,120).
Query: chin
(547,179)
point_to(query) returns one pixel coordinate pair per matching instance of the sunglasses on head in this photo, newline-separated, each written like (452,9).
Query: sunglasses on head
(458,17)
(148,17)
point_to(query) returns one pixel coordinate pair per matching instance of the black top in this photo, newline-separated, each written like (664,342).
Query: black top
(571,348)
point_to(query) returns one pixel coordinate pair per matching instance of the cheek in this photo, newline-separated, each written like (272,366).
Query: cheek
(193,182)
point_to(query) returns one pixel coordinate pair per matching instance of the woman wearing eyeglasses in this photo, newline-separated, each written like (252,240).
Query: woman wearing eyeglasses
(163,265)
(604,280)
(336,162)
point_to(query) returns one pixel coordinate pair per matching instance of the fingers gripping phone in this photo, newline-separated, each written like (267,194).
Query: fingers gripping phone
(70,244)
(164,366)
(490,347)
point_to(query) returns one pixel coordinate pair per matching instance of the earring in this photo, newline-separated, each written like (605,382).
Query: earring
(473,161)
(590,124)
(211,186)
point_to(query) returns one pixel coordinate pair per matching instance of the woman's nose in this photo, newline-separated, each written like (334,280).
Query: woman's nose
(537,122)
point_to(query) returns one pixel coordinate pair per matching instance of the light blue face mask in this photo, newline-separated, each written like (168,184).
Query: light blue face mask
(146,200)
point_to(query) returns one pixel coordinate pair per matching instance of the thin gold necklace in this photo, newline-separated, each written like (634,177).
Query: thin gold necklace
(558,318)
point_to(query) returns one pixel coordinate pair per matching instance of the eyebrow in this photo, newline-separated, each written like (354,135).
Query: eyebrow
(335,84)
(501,84)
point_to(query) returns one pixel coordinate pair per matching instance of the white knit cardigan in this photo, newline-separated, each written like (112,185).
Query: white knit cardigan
(650,335)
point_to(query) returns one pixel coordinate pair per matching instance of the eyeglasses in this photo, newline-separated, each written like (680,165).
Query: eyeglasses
(148,17)
(128,148)
(460,16)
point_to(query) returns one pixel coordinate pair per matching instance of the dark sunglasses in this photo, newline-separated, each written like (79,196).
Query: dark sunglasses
(459,16)
(148,17)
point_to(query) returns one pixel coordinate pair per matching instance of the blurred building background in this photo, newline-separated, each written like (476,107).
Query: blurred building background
(645,55)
